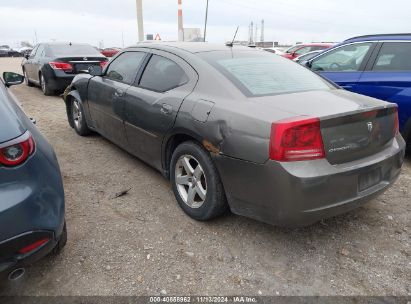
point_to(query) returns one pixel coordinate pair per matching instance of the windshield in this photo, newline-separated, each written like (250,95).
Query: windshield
(60,50)
(258,73)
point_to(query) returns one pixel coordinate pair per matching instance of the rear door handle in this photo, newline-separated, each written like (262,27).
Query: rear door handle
(347,87)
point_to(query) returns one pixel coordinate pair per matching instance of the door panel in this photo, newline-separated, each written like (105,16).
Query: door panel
(106,104)
(148,114)
(106,96)
(347,80)
(29,63)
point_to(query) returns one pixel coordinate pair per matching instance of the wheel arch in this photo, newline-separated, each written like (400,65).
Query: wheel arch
(171,142)
(67,98)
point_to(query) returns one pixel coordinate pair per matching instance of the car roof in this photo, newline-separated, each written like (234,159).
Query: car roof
(191,47)
(62,43)
(380,37)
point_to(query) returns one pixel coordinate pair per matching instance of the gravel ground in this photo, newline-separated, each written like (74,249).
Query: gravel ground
(143,244)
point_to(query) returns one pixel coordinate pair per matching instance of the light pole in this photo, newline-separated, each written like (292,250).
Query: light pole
(140,26)
(205,23)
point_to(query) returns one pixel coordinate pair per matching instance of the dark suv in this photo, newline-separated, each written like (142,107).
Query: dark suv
(52,66)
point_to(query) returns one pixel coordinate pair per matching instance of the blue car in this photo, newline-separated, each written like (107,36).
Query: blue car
(375,65)
(32,221)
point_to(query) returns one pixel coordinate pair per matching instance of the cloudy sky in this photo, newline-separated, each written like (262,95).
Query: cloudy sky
(286,21)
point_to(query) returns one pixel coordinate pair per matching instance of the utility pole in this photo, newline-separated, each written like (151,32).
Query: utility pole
(140,24)
(180,21)
(205,24)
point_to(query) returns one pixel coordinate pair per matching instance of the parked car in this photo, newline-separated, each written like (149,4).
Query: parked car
(52,66)
(374,65)
(31,189)
(110,52)
(239,128)
(303,59)
(301,49)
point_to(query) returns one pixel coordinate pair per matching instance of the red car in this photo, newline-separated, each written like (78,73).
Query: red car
(301,49)
(110,52)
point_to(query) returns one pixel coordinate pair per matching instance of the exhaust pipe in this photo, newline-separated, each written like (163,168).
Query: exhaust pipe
(17,274)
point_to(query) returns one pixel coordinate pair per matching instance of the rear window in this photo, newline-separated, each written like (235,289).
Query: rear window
(62,50)
(261,74)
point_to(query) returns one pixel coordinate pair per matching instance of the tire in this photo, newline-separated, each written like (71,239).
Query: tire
(77,119)
(199,193)
(62,241)
(45,87)
(26,80)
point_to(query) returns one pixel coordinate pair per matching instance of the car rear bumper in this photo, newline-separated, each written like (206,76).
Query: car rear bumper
(31,205)
(60,82)
(302,193)
(10,258)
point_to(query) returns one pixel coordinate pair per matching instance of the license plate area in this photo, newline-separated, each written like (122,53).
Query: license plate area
(369,179)
(83,67)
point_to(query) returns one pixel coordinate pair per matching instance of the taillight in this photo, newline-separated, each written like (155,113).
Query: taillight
(66,67)
(103,64)
(396,123)
(17,151)
(296,139)
(33,246)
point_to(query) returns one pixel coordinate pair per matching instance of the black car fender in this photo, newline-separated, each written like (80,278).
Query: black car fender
(406,133)
(68,94)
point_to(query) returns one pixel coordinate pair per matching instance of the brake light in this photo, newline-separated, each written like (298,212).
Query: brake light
(66,67)
(17,151)
(396,123)
(103,64)
(33,246)
(296,139)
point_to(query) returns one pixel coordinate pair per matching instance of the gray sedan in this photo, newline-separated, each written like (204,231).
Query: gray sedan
(241,129)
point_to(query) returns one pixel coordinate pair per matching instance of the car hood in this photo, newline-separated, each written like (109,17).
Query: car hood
(10,123)
(320,103)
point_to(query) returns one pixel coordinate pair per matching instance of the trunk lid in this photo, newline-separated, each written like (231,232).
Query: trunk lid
(352,126)
(81,64)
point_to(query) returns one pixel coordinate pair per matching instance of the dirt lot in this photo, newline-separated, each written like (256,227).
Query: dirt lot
(143,244)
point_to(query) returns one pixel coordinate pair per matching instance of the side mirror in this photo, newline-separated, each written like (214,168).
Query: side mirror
(11,79)
(95,70)
(307,64)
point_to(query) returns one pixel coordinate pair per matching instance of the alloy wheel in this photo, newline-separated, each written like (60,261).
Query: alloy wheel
(76,114)
(43,84)
(190,181)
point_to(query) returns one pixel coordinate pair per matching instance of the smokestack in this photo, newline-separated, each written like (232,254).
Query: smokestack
(256,31)
(251,33)
(262,31)
(180,21)
(139,5)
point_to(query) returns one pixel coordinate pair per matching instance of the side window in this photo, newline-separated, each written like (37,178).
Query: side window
(33,52)
(39,52)
(125,67)
(303,50)
(162,74)
(394,56)
(344,59)
(318,47)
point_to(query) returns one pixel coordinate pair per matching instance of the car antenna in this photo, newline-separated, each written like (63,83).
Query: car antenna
(230,44)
